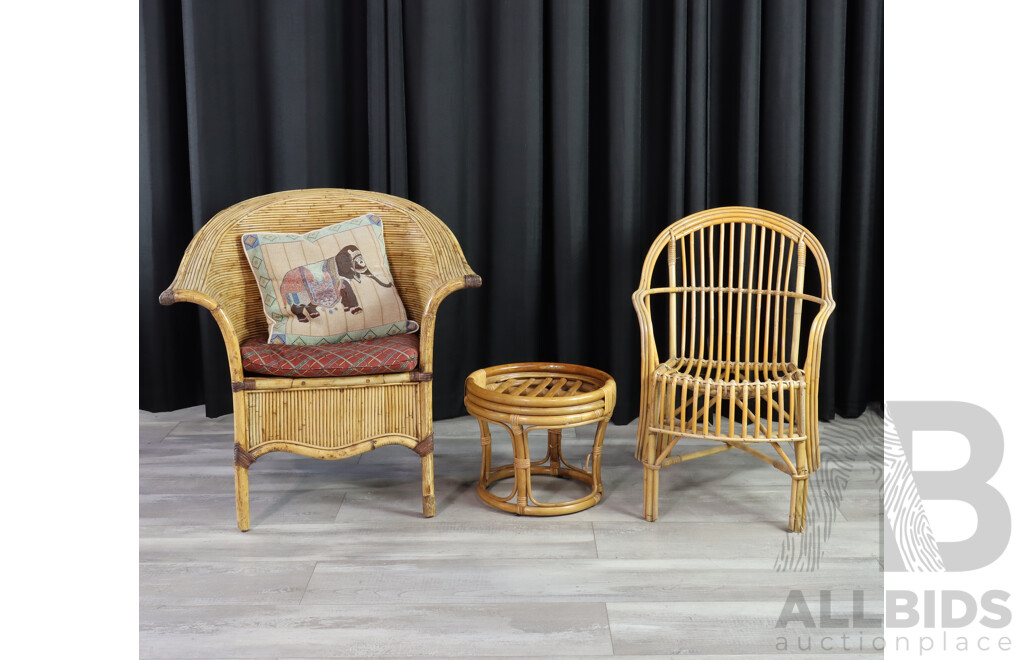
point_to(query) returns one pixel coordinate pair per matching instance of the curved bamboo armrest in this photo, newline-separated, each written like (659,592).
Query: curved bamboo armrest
(812,362)
(231,342)
(435,291)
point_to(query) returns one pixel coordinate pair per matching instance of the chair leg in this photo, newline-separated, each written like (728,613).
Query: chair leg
(650,482)
(798,496)
(242,497)
(428,485)
(798,506)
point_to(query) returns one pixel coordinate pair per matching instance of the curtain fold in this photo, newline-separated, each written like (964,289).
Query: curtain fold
(556,139)
(389,164)
(171,359)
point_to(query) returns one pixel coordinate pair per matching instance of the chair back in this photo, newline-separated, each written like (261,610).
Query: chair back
(215,264)
(734,287)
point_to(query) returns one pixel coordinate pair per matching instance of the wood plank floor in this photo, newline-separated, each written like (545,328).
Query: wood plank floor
(339,562)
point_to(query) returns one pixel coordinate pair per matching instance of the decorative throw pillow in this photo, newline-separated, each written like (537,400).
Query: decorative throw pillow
(328,286)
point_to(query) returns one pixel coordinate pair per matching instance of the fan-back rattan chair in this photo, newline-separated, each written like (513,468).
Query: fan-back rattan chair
(336,417)
(731,371)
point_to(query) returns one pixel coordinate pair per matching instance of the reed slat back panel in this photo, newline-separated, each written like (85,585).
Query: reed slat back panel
(324,417)
(735,361)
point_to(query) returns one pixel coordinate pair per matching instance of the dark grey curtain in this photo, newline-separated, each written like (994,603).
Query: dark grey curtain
(556,139)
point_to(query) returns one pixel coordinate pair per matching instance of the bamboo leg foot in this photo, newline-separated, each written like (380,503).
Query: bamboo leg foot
(428,485)
(650,482)
(798,499)
(798,506)
(650,494)
(242,498)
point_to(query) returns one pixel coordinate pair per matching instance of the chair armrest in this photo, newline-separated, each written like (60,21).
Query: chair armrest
(648,347)
(812,363)
(227,331)
(463,278)
(648,358)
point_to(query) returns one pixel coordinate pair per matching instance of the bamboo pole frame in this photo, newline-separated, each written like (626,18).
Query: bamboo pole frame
(326,418)
(733,375)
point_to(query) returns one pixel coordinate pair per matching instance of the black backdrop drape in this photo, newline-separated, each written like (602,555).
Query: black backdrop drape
(556,139)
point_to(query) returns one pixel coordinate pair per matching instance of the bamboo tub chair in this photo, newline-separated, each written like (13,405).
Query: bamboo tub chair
(327,418)
(732,372)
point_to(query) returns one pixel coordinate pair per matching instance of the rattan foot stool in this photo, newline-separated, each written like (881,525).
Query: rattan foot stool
(531,396)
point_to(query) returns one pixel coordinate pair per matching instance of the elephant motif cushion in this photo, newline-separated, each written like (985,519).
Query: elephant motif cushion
(328,286)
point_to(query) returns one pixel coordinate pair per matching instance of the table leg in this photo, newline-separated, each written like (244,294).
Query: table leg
(555,449)
(485,450)
(598,445)
(521,463)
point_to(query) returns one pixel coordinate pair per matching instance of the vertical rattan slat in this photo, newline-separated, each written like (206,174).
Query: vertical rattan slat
(671,253)
(798,303)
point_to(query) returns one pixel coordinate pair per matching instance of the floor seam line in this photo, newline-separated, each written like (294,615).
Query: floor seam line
(608,620)
(305,589)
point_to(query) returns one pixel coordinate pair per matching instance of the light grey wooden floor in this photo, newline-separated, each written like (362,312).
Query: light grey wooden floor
(339,562)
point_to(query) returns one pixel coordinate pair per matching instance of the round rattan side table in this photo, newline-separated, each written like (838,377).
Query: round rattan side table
(524,397)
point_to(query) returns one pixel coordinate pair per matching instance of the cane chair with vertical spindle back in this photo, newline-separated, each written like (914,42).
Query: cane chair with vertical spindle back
(324,417)
(732,367)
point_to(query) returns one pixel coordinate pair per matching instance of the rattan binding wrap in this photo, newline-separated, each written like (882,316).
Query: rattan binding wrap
(329,418)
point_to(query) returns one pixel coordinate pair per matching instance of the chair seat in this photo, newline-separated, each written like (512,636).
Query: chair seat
(730,376)
(687,392)
(387,355)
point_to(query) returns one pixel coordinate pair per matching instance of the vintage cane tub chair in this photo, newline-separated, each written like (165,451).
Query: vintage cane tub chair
(728,369)
(328,417)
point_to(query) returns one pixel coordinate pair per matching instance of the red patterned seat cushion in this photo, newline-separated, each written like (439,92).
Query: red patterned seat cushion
(388,355)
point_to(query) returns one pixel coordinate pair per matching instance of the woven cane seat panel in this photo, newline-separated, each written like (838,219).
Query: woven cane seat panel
(543,386)
(387,355)
(532,393)
(718,400)
(729,374)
